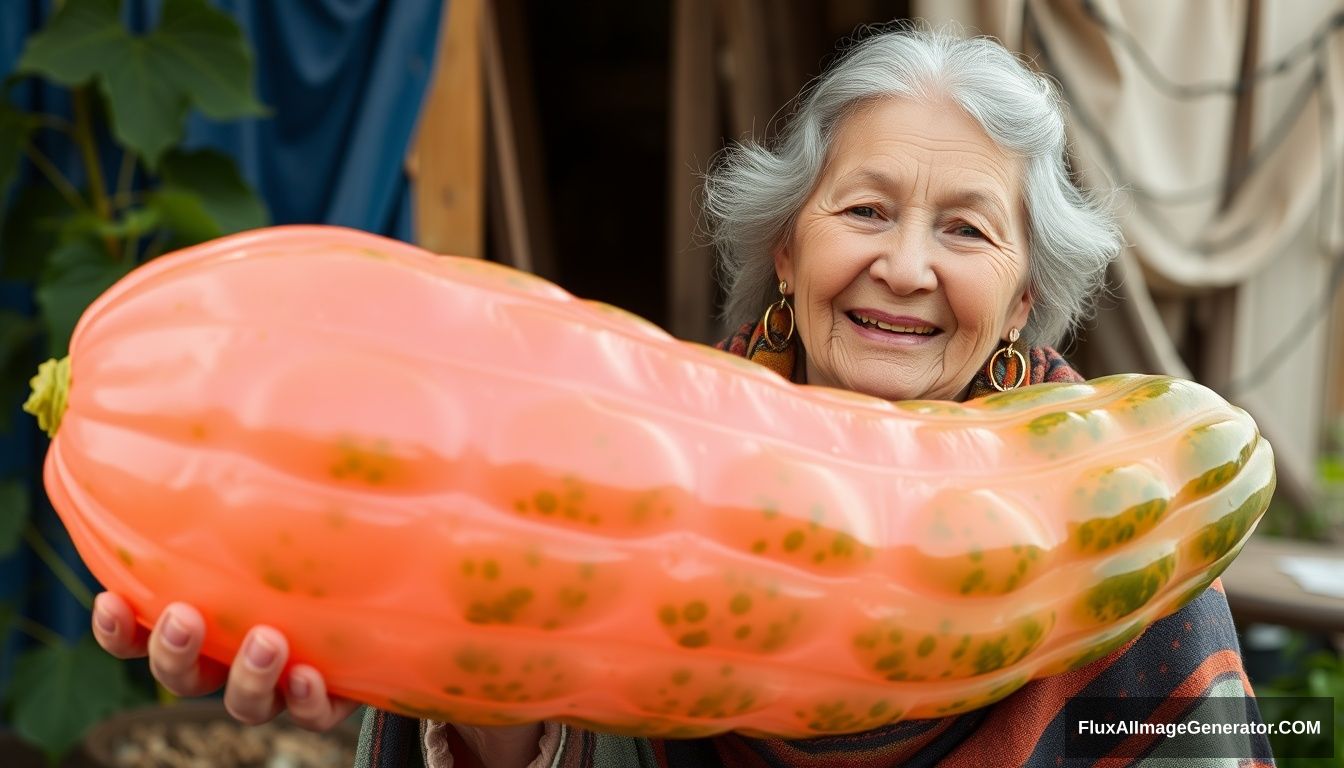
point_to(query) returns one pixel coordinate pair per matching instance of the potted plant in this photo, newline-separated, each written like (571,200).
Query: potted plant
(135,192)
(1310,671)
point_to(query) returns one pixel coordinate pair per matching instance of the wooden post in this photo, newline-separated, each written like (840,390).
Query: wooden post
(749,77)
(695,136)
(1334,374)
(521,215)
(446,164)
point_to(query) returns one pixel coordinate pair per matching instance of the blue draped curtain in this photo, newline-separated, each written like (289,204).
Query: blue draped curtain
(344,80)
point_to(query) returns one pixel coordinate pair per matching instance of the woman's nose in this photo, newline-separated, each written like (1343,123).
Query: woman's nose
(905,261)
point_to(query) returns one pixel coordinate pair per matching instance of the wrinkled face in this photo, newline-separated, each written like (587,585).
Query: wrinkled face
(908,264)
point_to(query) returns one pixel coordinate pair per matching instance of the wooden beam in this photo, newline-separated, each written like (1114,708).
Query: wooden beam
(525,214)
(446,164)
(694,131)
(1334,344)
(749,77)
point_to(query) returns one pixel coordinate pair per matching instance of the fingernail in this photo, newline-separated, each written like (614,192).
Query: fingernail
(105,622)
(260,653)
(174,634)
(299,687)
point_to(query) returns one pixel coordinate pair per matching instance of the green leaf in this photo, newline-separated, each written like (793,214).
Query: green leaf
(60,691)
(225,196)
(183,213)
(203,53)
(81,224)
(1321,683)
(14,129)
(13,515)
(76,43)
(147,108)
(30,230)
(134,222)
(79,271)
(86,39)
(196,55)
(1331,470)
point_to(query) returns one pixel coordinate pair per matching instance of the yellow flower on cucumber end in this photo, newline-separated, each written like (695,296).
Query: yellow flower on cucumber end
(51,388)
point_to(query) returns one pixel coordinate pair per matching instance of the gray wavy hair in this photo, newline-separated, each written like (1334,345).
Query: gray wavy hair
(753,193)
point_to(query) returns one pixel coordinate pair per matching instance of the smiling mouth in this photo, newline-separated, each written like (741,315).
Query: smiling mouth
(914,330)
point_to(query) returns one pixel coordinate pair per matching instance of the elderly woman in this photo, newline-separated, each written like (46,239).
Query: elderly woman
(914,234)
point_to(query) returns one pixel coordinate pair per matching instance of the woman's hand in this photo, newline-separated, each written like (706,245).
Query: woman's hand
(252,692)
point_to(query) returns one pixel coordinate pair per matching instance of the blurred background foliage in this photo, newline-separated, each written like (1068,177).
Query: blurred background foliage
(67,237)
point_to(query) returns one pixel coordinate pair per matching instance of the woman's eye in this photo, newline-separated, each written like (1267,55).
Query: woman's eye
(966,230)
(865,211)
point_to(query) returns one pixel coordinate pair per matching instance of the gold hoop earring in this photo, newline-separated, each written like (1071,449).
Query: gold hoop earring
(772,340)
(1008,352)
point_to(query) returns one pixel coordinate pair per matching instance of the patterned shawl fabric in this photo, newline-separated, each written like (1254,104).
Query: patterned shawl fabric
(1192,653)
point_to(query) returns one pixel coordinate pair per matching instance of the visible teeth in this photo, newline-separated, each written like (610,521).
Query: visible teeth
(920,329)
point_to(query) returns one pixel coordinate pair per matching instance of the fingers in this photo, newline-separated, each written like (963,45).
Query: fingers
(175,653)
(174,647)
(115,627)
(251,695)
(309,705)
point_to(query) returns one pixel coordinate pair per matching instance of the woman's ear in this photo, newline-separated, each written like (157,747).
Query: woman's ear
(1019,312)
(784,262)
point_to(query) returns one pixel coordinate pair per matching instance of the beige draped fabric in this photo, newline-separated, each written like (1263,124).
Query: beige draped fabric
(1228,194)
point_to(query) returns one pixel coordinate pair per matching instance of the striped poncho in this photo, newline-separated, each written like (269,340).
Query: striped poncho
(1192,653)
